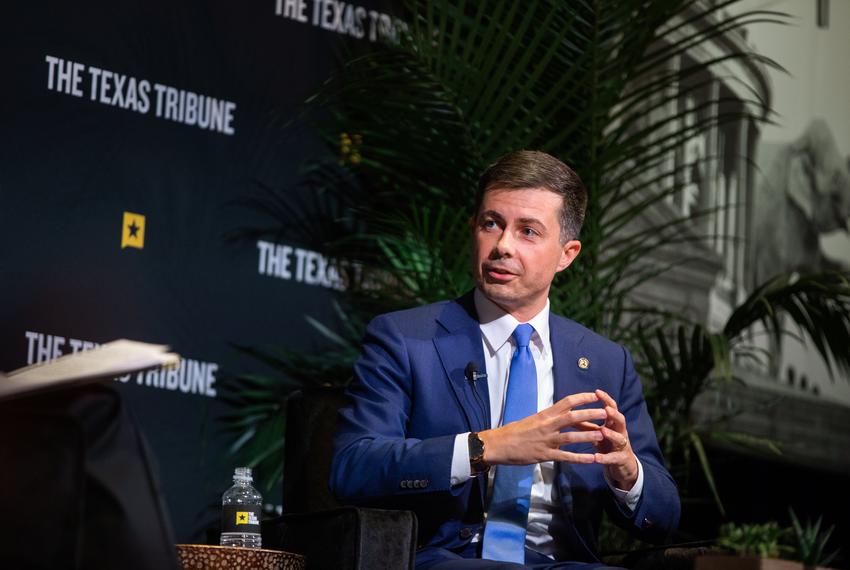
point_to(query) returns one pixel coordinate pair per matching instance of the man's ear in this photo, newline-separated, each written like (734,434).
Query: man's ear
(569,251)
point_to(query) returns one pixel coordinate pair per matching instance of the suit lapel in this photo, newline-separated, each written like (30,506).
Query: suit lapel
(566,339)
(459,345)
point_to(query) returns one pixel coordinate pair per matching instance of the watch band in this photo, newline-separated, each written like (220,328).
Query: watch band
(477,465)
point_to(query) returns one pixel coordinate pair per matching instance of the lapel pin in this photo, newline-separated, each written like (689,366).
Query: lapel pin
(583,363)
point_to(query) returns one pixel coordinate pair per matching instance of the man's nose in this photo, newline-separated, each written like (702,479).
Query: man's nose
(504,246)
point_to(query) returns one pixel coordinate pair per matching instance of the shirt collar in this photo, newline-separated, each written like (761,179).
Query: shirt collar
(497,326)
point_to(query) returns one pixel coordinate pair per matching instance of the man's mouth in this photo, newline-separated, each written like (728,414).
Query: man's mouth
(498,273)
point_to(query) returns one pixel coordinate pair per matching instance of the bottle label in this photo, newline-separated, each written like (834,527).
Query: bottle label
(240,518)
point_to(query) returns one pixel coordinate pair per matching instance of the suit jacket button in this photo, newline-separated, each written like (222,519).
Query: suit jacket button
(424,483)
(647,523)
(404,484)
(466,533)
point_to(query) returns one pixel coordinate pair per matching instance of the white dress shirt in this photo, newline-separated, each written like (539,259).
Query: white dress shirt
(544,514)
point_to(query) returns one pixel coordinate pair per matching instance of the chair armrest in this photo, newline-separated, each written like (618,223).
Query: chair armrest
(346,538)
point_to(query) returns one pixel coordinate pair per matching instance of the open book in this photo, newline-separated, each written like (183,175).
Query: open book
(107,361)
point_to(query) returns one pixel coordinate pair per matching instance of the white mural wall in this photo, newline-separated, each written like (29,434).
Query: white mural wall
(804,160)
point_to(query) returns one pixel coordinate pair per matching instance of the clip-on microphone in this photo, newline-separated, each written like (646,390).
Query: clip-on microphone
(471,372)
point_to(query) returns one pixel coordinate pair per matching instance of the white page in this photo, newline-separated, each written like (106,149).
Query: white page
(112,359)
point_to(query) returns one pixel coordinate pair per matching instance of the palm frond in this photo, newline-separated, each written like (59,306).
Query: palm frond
(696,442)
(817,303)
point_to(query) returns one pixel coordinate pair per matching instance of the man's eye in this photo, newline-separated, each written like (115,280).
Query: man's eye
(488,224)
(530,232)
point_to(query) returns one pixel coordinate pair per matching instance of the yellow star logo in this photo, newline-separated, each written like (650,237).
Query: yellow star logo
(133,231)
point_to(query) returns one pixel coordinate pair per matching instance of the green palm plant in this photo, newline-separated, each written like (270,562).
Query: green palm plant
(258,420)
(695,359)
(412,124)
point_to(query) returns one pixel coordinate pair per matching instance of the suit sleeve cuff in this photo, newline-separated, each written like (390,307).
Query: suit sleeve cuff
(628,499)
(461,470)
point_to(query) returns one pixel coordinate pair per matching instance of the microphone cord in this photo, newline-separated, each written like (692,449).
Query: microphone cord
(471,373)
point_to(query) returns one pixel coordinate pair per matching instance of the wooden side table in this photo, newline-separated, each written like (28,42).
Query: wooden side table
(203,557)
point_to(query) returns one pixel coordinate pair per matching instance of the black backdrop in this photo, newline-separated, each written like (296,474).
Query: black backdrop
(75,157)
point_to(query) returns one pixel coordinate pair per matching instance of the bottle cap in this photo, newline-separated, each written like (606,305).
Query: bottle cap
(243,474)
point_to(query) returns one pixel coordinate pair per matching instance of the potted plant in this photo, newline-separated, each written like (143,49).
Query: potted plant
(750,547)
(810,542)
(760,546)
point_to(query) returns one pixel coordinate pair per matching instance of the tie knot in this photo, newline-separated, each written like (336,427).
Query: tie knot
(522,334)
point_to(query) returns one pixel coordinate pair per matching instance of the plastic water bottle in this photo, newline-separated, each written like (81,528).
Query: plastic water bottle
(240,512)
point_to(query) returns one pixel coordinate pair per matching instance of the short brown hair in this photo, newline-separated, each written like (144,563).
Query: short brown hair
(535,169)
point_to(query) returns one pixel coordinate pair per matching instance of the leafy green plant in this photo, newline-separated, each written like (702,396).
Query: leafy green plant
(681,368)
(763,540)
(258,401)
(811,541)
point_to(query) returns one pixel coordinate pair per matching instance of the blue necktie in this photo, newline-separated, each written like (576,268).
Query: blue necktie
(507,516)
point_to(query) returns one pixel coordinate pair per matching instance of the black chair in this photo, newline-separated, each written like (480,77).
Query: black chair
(316,525)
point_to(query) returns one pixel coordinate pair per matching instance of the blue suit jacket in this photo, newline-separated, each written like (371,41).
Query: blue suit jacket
(409,399)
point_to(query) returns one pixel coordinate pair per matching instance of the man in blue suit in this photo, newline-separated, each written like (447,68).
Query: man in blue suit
(489,408)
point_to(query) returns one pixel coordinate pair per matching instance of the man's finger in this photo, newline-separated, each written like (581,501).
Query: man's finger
(577,416)
(575,400)
(606,399)
(587,426)
(615,418)
(571,457)
(569,437)
(617,439)
(613,458)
